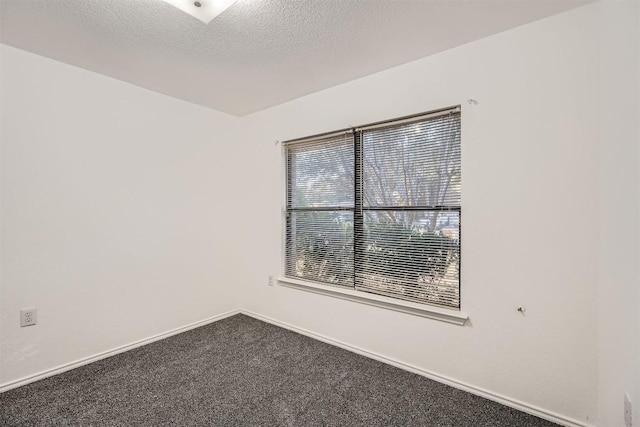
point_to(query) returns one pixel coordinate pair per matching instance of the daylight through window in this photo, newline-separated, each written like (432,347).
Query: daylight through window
(377,209)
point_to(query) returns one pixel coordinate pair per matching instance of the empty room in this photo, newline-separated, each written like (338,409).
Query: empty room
(320,213)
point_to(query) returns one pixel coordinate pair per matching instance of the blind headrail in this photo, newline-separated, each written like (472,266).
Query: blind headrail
(409,119)
(376,125)
(319,137)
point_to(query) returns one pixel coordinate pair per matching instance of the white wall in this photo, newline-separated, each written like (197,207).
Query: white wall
(530,213)
(111,223)
(619,280)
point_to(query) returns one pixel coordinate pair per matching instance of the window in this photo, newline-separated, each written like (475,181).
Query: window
(376,209)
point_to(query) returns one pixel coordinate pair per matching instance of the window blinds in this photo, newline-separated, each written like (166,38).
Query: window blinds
(378,209)
(320,204)
(410,241)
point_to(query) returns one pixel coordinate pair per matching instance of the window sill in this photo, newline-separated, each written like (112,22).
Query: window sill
(431,312)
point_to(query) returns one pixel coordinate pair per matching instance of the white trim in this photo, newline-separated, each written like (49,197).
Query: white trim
(513,403)
(431,312)
(103,355)
(504,400)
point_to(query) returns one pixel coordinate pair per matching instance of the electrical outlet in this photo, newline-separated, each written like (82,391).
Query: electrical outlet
(271,280)
(28,316)
(627,411)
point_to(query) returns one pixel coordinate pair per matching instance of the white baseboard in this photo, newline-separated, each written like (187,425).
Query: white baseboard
(513,403)
(103,355)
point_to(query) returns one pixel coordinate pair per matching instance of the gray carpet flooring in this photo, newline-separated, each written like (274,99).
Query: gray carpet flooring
(243,372)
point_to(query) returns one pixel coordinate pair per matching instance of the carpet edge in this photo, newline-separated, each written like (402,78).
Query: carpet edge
(495,397)
(112,352)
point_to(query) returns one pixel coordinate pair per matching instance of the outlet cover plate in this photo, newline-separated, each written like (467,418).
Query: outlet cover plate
(28,316)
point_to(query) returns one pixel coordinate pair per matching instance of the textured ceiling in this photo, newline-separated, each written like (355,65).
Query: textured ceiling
(257,53)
